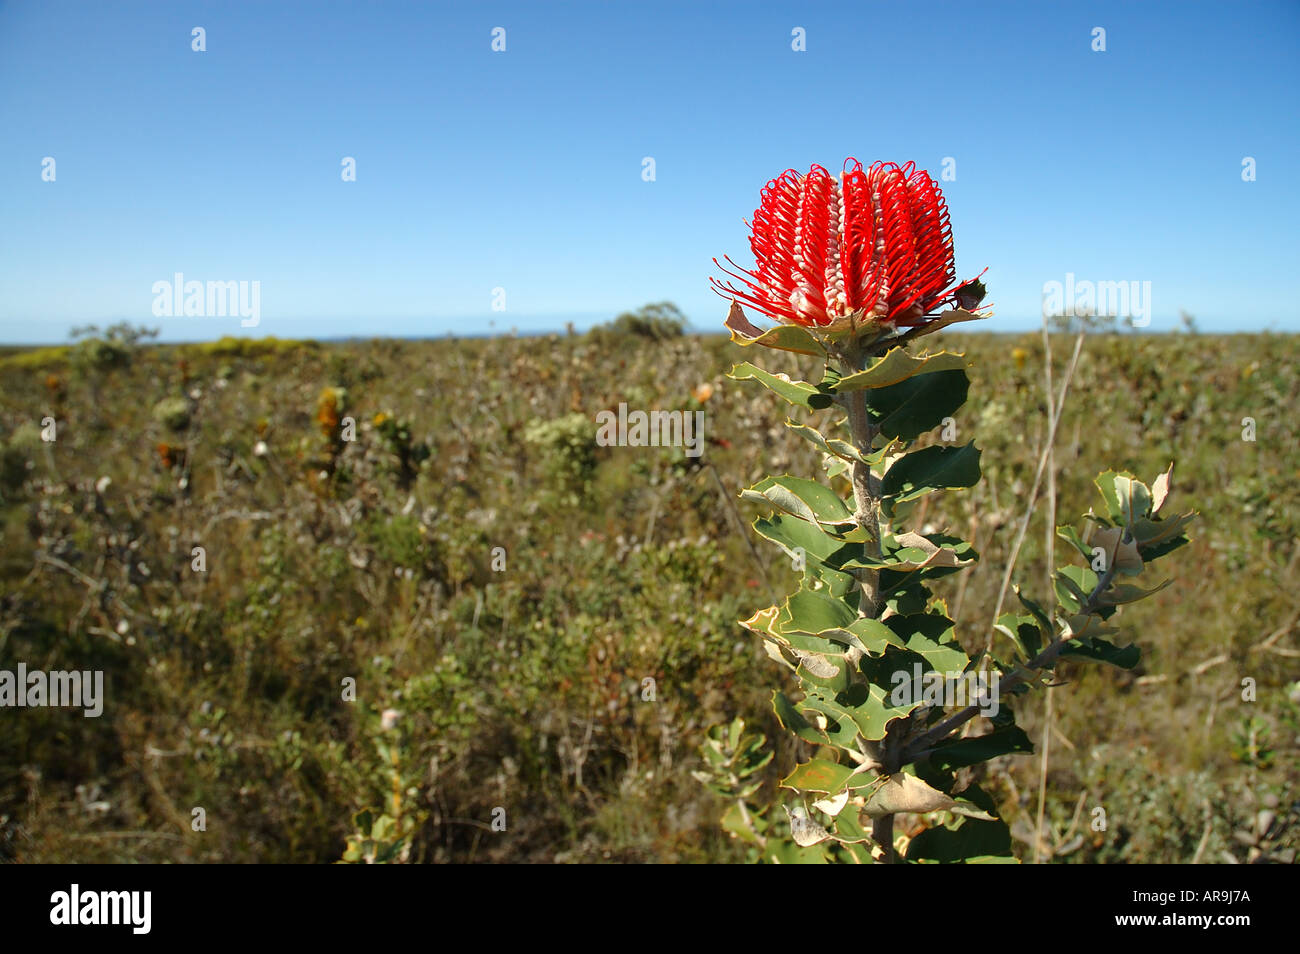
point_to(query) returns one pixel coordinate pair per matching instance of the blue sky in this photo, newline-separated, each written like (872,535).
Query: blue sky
(522,169)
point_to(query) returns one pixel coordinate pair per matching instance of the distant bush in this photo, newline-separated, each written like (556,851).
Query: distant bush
(231,347)
(98,354)
(34,359)
(656,321)
(173,413)
(113,348)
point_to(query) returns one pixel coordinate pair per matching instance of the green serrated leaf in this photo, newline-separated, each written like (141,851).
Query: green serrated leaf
(829,445)
(801,538)
(1153,534)
(849,830)
(819,775)
(1099,650)
(904,593)
(1073,585)
(840,729)
(906,410)
(802,498)
(872,709)
(973,842)
(1024,631)
(825,674)
(792,721)
(898,364)
(929,469)
(1071,536)
(837,467)
(1127,498)
(1134,498)
(875,637)
(1045,623)
(809,611)
(821,553)
(1068,593)
(800,393)
(913,551)
(931,636)
(981,748)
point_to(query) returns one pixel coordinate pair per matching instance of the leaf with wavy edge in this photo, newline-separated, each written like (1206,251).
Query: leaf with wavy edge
(1123,553)
(782,337)
(907,793)
(1160,489)
(792,721)
(803,829)
(937,467)
(1151,533)
(803,498)
(897,365)
(911,407)
(950,317)
(800,393)
(897,558)
(820,776)
(821,551)
(1128,593)
(837,448)
(874,712)
(869,636)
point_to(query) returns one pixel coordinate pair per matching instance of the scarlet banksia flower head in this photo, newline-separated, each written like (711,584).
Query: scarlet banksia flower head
(873,246)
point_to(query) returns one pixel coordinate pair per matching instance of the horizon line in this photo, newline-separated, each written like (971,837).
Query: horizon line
(688,331)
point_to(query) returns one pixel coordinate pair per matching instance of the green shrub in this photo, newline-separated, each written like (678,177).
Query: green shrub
(568,446)
(655,322)
(172,413)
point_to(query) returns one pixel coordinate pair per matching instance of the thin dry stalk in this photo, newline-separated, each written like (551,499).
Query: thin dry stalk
(1033,493)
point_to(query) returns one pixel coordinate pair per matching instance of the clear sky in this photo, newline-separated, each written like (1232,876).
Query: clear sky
(523,170)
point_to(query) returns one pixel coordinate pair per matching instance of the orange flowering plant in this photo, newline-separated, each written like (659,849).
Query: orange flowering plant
(890,708)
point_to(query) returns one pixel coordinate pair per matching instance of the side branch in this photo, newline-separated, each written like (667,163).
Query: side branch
(923,744)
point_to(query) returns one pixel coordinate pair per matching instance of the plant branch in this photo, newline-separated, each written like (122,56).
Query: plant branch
(866,497)
(866,485)
(924,744)
(882,833)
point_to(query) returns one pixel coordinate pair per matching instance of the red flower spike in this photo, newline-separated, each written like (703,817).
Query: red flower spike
(875,244)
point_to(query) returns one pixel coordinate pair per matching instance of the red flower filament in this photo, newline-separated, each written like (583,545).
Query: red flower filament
(875,243)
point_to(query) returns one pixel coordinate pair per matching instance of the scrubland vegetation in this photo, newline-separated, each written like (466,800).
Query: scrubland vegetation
(233,531)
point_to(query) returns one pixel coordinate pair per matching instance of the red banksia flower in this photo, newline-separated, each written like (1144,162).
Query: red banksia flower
(874,244)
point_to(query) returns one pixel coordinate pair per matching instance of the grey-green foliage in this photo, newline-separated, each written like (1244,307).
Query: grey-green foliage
(1158,817)
(17,455)
(568,446)
(865,620)
(173,413)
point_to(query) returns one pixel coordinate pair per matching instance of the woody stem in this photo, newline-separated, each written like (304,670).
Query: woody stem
(866,496)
